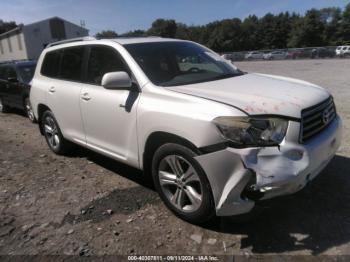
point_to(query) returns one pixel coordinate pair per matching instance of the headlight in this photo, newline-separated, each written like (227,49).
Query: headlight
(250,131)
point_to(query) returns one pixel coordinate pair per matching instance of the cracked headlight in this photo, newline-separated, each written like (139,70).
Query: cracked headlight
(250,131)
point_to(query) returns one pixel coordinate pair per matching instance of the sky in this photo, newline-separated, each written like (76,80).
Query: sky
(125,15)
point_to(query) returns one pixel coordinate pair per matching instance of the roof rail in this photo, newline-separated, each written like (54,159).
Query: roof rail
(85,38)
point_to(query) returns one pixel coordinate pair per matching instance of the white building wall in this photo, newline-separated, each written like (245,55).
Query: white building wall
(13,47)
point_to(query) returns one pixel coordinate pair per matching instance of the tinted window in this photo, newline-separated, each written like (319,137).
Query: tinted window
(103,60)
(26,71)
(71,65)
(51,64)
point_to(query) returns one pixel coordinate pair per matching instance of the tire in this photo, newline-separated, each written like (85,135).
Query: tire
(186,192)
(29,110)
(3,108)
(53,135)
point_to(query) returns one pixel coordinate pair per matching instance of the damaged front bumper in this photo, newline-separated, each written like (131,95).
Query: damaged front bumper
(267,172)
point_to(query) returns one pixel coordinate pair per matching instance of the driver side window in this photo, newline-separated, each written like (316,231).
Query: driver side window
(103,60)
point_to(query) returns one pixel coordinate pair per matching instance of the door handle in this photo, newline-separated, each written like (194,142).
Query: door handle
(86,97)
(52,89)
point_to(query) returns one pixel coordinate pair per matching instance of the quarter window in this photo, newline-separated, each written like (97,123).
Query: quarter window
(103,60)
(71,65)
(51,64)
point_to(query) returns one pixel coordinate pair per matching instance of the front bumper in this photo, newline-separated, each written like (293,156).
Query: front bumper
(275,170)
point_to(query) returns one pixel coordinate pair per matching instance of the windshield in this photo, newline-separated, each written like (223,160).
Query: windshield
(180,63)
(26,72)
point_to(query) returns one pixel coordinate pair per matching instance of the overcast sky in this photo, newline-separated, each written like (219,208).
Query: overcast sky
(126,15)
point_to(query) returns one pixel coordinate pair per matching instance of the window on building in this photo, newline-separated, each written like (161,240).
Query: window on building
(9,44)
(103,60)
(71,65)
(57,29)
(51,64)
(19,40)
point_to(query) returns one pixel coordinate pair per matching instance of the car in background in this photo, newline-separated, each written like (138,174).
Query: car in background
(254,55)
(342,51)
(235,56)
(293,54)
(15,77)
(275,55)
(322,52)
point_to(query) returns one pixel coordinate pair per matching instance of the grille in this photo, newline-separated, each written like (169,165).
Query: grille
(316,118)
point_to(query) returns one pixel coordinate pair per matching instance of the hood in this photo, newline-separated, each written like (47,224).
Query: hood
(259,94)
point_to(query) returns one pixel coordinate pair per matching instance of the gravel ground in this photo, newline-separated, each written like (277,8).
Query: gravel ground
(89,205)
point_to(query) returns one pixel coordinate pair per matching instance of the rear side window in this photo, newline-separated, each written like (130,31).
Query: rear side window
(71,65)
(51,64)
(103,60)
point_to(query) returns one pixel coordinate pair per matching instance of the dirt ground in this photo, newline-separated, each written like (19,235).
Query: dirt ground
(87,204)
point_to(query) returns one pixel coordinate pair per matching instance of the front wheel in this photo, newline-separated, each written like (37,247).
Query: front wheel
(182,183)
(29,110)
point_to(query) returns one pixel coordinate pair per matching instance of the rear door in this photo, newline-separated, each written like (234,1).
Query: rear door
(14,87)
(3,84)
(64,71)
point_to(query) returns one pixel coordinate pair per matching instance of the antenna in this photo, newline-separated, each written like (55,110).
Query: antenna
(82,23)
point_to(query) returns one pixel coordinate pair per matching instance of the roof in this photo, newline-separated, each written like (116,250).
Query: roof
(15,30)
(121,40)
(137,40)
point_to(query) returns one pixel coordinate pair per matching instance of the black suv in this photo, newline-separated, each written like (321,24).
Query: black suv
(15,77)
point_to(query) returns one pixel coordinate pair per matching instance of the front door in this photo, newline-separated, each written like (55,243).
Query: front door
(109,116)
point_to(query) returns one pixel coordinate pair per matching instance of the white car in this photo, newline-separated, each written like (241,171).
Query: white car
(275,55)
(214,139)
(254,55)
(342,51)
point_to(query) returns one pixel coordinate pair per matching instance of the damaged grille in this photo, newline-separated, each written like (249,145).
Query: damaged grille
(316,118)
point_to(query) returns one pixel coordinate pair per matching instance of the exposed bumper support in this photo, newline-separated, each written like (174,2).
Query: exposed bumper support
(277,170)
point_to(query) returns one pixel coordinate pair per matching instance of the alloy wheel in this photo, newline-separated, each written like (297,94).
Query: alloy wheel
(180,183)
(51,132)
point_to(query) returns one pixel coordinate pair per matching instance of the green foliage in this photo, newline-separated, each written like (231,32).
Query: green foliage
(107,34)
(327,26)
(6,26)
(163,28)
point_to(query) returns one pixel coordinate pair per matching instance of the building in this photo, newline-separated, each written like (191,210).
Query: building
(27,41)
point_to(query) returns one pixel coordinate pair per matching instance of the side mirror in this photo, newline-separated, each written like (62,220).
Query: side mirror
(116,80)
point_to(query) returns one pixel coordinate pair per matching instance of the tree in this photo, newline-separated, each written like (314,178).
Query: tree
(344,30)
(6,26)
(308,31)
(107,34)
(163,28)
(134,33)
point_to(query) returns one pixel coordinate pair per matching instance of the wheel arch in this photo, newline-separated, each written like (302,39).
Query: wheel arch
(157,139)
(41,109)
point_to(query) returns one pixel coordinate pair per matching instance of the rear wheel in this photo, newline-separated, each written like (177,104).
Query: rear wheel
(182,183)
(54,138)
(29,110)
(3,108)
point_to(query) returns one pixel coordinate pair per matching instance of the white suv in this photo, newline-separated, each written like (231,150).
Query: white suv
(214,139)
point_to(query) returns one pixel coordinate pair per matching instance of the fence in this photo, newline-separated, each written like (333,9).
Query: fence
(291,53)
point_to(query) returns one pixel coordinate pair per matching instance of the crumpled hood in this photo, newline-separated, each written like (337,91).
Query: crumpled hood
(259,93)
